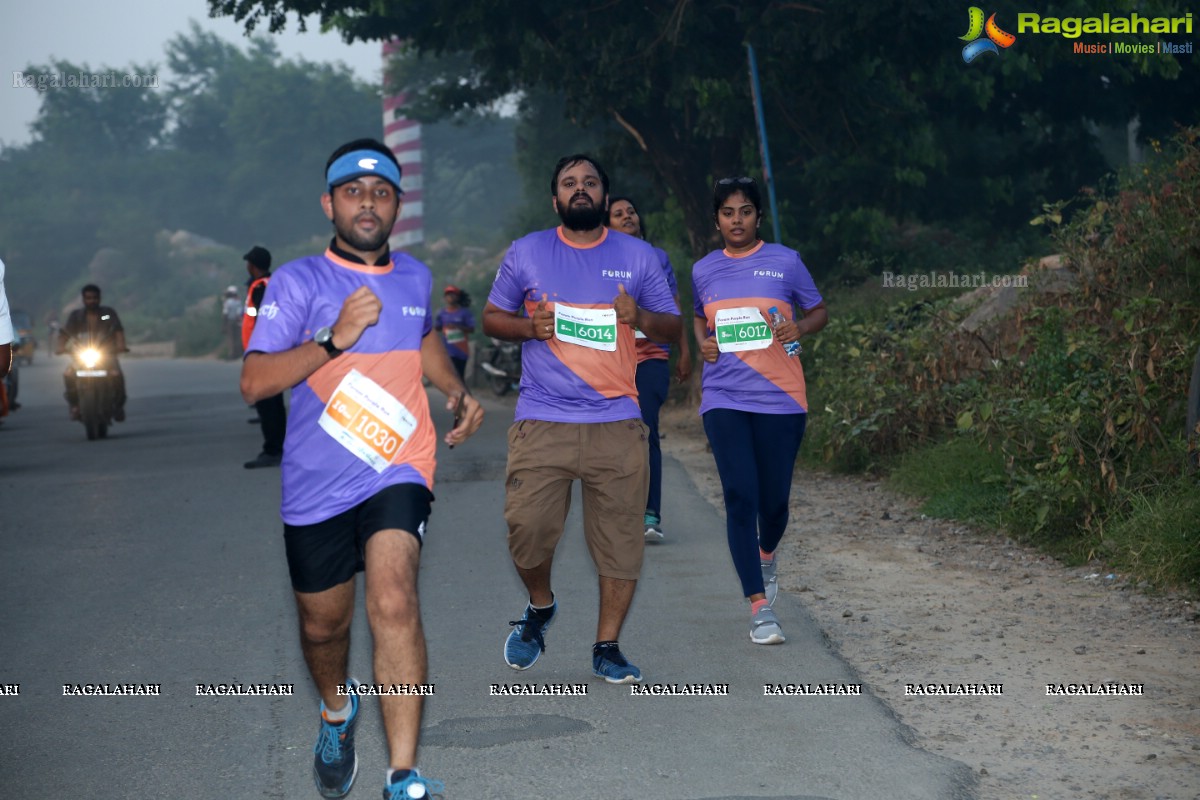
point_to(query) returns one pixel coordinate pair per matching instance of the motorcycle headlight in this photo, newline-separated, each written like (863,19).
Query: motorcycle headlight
(90,357)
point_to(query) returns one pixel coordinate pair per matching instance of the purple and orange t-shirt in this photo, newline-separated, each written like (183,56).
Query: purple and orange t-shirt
(453,326)
(321,477)
(767,381)
(566,382)
(648,350)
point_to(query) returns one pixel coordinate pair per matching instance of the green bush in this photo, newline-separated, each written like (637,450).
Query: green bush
(1078,395)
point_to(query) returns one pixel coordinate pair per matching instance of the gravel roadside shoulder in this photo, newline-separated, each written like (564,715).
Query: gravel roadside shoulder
(921,607)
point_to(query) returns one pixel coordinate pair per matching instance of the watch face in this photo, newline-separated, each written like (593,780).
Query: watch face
(323,335)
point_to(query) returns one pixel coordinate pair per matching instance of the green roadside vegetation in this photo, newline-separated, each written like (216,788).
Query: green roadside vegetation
(1054,412)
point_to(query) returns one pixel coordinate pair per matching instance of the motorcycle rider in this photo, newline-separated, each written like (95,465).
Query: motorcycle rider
(100,327)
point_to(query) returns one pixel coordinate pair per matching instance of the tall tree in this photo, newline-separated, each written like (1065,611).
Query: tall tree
(660,70)
(882,117)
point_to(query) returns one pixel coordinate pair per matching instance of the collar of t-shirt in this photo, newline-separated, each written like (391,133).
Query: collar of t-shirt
(383,260)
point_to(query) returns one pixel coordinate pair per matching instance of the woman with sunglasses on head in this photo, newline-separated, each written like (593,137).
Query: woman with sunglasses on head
(652,378)
(753,399)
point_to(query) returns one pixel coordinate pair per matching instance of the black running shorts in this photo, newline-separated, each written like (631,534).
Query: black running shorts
(325,554)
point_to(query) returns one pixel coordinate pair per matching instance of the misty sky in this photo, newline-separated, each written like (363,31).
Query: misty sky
(120,32)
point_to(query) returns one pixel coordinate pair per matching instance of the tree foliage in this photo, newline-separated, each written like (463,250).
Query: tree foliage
(883,138)
(230,147)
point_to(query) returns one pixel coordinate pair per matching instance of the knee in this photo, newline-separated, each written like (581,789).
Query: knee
(322,629)
(394,608)
(740,499)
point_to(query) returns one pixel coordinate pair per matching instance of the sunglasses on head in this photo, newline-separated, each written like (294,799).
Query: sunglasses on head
(732,181)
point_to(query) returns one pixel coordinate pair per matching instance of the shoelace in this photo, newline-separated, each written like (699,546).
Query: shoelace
(531,629)
(329,743)
(613,656)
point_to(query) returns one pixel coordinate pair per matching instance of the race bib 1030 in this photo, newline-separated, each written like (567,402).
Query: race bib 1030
(367,421)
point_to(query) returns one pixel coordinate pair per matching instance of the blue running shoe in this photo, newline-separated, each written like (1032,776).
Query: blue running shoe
(335,764)
(526,642)
(610,664)
(414,787)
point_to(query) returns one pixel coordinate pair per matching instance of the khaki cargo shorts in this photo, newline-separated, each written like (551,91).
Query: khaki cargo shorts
(610,461)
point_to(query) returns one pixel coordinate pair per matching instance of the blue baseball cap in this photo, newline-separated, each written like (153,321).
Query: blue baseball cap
(358,163)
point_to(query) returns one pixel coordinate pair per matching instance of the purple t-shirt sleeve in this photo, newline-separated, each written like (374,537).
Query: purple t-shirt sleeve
(508,290)
(668,270)
(804,290)
(282,317)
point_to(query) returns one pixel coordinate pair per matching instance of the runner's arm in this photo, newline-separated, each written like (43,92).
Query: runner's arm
(435,364)
(683,362)
(706,344)
(512,327)
(814,319)
(659,326)
(267,374)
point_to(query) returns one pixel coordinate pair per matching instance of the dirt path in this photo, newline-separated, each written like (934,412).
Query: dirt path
(910,600)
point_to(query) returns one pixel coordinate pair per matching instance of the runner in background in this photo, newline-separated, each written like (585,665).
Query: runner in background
(585,290)
(753,399)
(653,378)
(456,323)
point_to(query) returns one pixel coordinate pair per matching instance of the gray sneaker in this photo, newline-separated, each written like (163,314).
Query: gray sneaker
(764,627)
(770,579)
(654,531)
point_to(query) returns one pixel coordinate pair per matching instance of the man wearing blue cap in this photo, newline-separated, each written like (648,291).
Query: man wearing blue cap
(351,332)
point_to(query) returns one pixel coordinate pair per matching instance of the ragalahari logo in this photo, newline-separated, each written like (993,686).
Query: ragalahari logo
(996,38)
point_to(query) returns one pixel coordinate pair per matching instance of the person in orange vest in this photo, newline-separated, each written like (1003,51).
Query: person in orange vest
(272,414)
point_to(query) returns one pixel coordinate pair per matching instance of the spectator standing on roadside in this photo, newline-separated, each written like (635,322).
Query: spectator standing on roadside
(232,310)
(753,398)
(653,377)
(456,324)
(585,290)
(272,413)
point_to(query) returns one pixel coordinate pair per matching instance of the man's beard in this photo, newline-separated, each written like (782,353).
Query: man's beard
(581,217)
(362,242)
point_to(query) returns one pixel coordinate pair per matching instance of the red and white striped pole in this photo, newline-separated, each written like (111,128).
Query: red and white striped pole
(403,136)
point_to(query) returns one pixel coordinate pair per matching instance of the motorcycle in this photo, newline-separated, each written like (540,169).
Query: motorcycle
(502,364)
(95,370)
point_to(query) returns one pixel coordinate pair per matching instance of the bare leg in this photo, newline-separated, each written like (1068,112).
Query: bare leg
(325,638)
(394,611)
(616,595)
(537,582)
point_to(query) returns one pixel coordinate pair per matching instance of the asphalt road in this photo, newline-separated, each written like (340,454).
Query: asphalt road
(154,558)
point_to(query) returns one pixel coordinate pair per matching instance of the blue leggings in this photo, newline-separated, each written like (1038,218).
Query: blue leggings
(755,455)
(653,382)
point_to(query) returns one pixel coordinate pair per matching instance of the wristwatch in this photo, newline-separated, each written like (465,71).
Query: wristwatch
(324,337)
